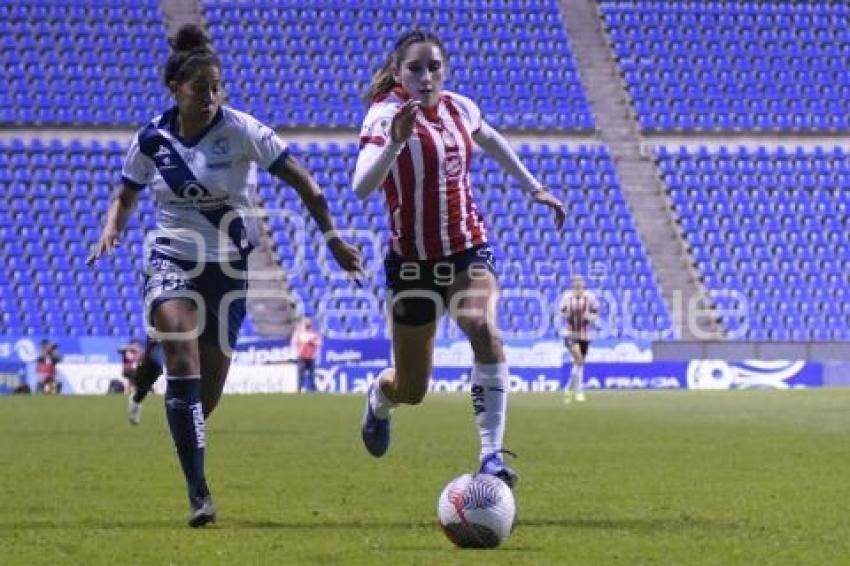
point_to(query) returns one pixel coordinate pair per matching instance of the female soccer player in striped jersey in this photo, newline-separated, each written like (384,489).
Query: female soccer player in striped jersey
(580,309)
(200,158)
(416,145)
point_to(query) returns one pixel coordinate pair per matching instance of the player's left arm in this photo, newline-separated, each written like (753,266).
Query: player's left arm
(290,171)
(498,147)
(270,152)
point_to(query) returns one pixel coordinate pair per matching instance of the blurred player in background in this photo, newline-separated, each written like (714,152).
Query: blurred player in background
(131,355)
(416,144)
(141,366)
(45,368)
(580,309)
(199,158)
(305,344)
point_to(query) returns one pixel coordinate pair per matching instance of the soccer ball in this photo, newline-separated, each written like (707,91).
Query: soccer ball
(477,511)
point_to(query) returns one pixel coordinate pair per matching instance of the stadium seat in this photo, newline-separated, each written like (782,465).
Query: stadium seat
(330,62)
(731,66)
(774,249)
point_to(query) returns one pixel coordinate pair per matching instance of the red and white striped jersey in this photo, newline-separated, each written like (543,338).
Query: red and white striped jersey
(578,312)
(428,191)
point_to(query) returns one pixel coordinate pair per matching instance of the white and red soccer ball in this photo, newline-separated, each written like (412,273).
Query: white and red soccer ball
(477,511)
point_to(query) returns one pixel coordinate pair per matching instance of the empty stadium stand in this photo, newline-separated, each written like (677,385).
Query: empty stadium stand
(747,65)
(63,62)
(770,225)
(58,195)
(309,64)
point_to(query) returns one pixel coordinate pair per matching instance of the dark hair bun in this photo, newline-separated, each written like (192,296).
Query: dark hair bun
(189,37)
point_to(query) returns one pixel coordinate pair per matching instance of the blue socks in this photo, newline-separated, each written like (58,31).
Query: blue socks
(186,421)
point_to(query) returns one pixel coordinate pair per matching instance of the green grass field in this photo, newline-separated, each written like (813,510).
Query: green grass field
(629,478)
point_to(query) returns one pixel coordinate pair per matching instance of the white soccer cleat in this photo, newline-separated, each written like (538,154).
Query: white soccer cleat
(134,412)
(580,398)
(568,397)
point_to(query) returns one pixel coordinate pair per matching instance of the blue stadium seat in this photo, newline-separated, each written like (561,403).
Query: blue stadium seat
(774,242)
(322,47)
(704,66)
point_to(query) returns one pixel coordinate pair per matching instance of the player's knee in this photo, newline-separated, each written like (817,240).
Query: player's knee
(483,336)
(180,366)
(478,328)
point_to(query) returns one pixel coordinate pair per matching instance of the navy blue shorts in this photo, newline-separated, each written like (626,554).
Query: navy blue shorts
(419,287)
(169,278)
(583,345)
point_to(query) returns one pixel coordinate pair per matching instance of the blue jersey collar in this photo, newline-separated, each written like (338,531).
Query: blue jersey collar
(169,122)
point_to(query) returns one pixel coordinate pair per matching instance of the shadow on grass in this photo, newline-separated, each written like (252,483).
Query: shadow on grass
(446,546)
(225,523)
(681,523)
(640,524)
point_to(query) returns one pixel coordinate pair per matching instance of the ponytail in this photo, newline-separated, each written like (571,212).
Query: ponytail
(382,81)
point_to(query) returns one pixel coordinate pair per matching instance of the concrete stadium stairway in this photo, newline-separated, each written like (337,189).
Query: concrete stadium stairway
(179,12)
(681,289)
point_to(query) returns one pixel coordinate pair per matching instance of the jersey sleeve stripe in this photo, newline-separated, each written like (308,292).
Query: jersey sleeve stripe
(279,160)
(377,140)
(128,182)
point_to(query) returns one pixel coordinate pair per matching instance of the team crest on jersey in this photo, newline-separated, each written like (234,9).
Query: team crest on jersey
(221,146)
(453,166)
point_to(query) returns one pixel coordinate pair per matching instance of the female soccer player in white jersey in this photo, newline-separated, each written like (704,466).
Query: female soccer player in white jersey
(416,144)
(198,157)
(580,309)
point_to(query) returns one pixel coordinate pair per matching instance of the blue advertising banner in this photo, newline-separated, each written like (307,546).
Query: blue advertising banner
(85,349)
(350,365)
(259,351)
(544,353)
(333,352)
(697,374)
(373,352)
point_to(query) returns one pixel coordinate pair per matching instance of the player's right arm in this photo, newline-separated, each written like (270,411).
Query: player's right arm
(382,139)
(138,170)
(120,209)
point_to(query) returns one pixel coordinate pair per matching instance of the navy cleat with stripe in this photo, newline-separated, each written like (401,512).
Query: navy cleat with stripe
(494,465)
(201,511)
(375,431)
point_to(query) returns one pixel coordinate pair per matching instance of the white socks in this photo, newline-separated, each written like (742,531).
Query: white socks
(489,403)
(381,406)
(577,378)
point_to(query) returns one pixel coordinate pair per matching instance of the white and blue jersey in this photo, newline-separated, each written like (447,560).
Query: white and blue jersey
(205,186)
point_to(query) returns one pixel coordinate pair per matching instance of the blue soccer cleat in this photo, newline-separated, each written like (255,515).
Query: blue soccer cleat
(494,465)
(375,431)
